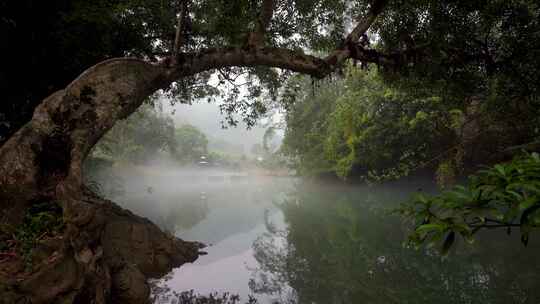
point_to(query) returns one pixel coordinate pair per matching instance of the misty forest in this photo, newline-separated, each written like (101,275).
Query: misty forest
(269,151)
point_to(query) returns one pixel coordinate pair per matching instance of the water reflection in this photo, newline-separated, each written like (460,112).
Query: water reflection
(339,246)
(237,212)
(287,241)
(177,199)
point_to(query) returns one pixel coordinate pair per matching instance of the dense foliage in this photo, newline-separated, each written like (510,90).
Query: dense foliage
(46,44)
(160,295)
(487,49)
(474,48)
(49,43)
(504,196)
(467,90)
(42,220)
(358,125)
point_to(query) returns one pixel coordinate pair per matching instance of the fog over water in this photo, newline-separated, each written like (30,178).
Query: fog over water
(291,241)
(288,240)
(227,210)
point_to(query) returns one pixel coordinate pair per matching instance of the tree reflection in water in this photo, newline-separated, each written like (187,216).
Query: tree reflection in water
(184,216)
(340,246)
(171,213)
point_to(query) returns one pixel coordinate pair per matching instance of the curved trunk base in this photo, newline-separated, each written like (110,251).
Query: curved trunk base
(106,256)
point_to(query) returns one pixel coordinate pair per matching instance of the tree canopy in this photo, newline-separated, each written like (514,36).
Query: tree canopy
(493,44)
(48,44)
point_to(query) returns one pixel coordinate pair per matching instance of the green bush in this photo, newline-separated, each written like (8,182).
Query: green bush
(41,219)
(503,196)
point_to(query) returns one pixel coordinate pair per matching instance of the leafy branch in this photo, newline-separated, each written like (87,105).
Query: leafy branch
(503,196)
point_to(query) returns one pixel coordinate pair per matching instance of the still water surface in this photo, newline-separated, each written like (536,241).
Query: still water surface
(290,241)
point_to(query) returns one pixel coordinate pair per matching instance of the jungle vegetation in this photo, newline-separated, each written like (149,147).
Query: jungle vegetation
(436,84)
(473,106)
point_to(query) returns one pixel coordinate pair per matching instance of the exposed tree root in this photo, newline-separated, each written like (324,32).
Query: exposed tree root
(106,256)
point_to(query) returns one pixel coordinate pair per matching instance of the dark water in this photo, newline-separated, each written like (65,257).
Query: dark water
(285,240)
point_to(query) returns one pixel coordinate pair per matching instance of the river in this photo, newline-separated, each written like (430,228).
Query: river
(286,240)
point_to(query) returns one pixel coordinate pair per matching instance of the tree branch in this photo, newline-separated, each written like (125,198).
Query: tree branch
(179,38)
(256,38)
(351,48)
(267,11)
(299,62)
(296,61)
(232,81)
(209,59)
(361,28)
(491,224)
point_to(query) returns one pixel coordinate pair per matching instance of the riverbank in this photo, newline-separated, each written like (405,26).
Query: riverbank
(105,254)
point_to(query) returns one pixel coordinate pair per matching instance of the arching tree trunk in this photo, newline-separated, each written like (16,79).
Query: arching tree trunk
(44,158)
(106,252)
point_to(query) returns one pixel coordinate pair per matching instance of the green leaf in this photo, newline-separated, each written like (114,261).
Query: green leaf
(516,195)
(525,204)
(421,199)
(534,188)
(524,221)
(429,227)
